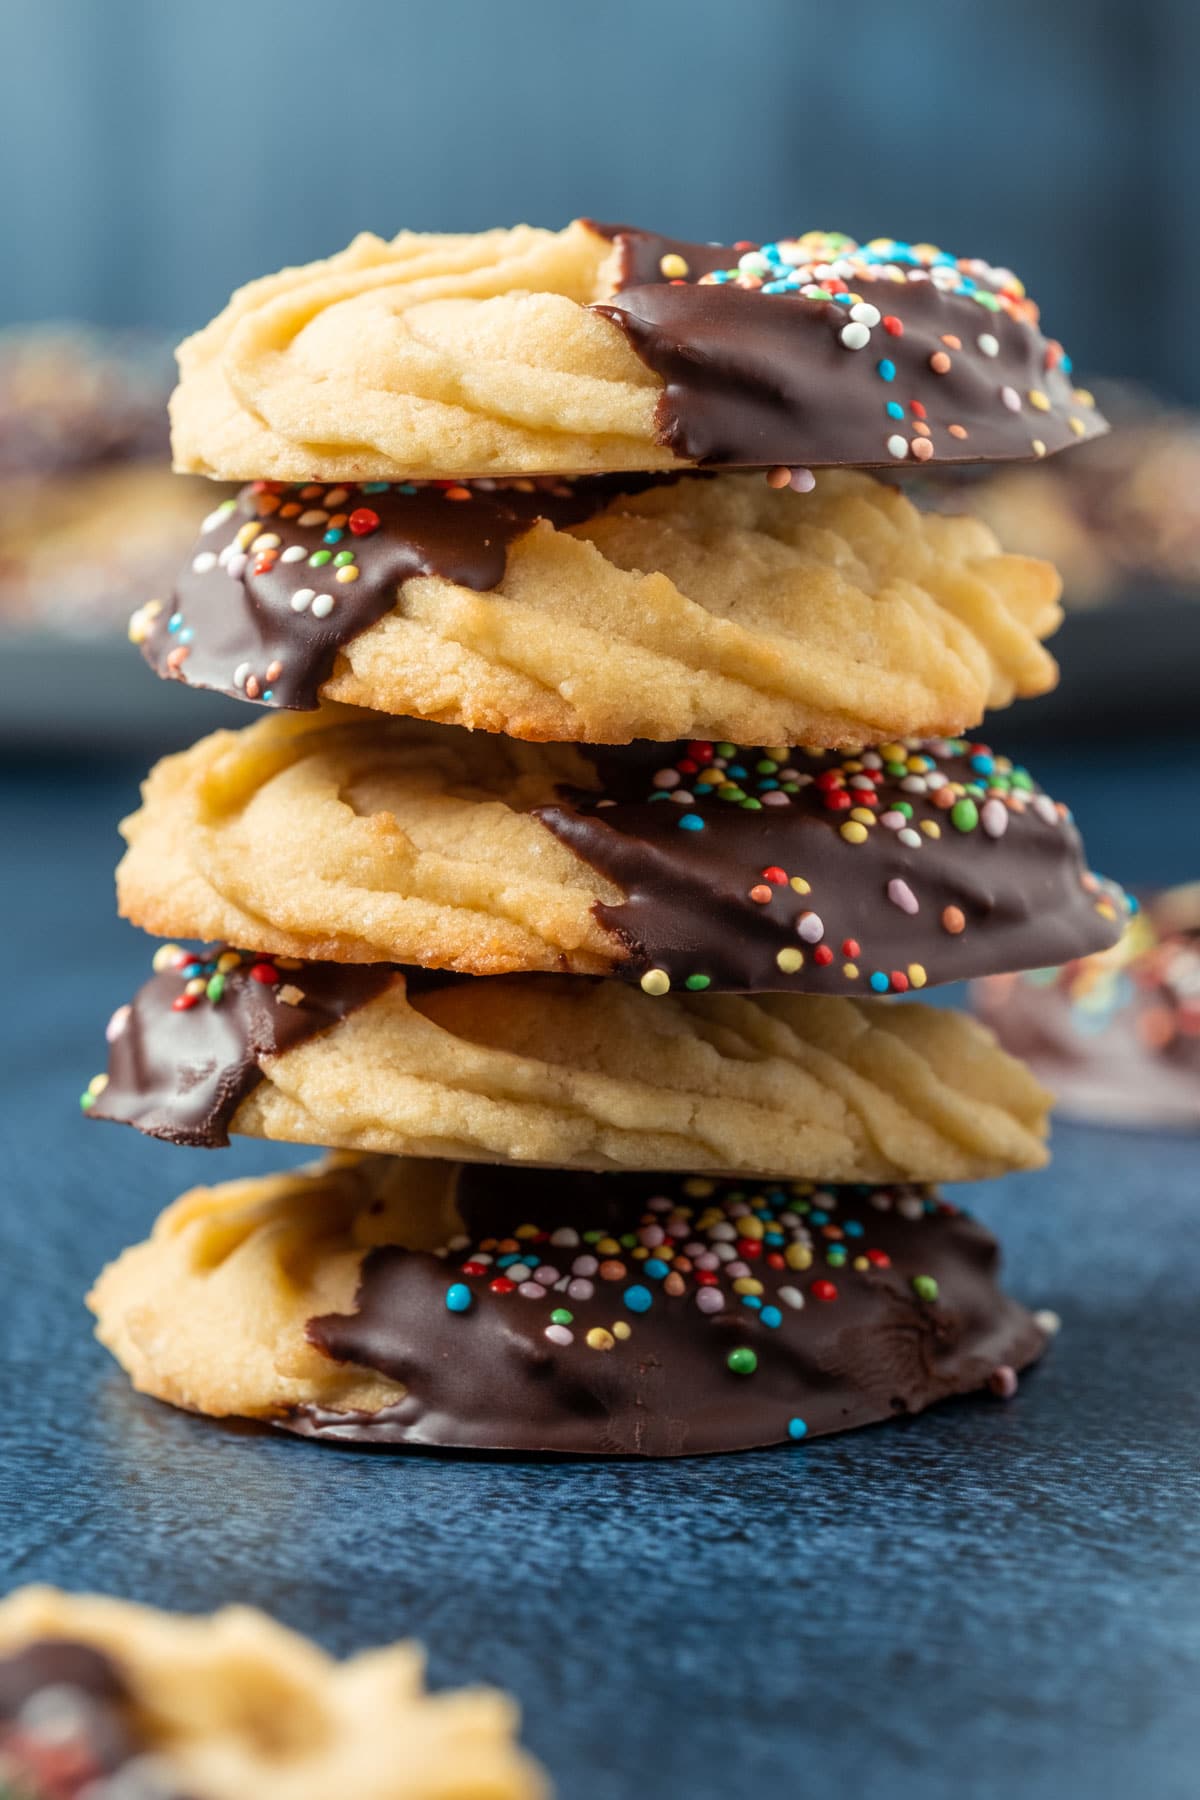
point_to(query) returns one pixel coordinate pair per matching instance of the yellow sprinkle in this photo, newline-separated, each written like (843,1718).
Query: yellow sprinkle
(196,985)
(863,814)
(1038,448)
(798,1256)
(164,956)
(850,971)
(790,960)
(931,828)
(750,1228)
(606,1246)
(1040,400)
(699,1187)
(141,621)
(1077,425)
(673,266)
(527,1231)
(622,1329)
(894,752)
(746,1284)
(97,1084)
(288,962)
(853,832)
(798,885)
(228,959)
(778,752)
(1085,397)
(599,1339)
(266,540)
(348,573)
(640,1254)
(852,768)
(917,975)
(656,981)
(246,535)
(1106,909)
(860,1263)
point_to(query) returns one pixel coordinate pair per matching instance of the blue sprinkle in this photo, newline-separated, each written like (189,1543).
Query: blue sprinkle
(190,970)
(334,537)
(797,1429)
(374,487)
(983,764)
(458,1298)
(639,1299)
(269,695)
(1065,364)
(658,794)
(764,787)
(407,487)
(656,1268)
(773,1238)
(175,621)
(186,635)
(879,982)
(894,410)
(691,822)
(852,1228)
(844,299)
(737,770)
(752,1301)
(506,1262)
(819,1218)
(771,1315)
(886,369)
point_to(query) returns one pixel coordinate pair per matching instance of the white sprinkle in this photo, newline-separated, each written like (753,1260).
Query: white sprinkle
(266,540)
(241,675)
(811,927)
(724,1252)
(322,606)
(531,1290)
(855,337)
(204,562)
(871,759)
(791,1296)
(578,1289)
(802,481)
(914,784)
(303,598)
(1011,399)
(459,1242)
(994,818)
(564,1237)
(294,553)
(910,838)
(314,516)
(909,1207)
(117,1023)
(235,568)
(721,1232)
(584,1265)
(863,313)
(518,1272)
(709,1300)
(219,516)
(901,895)
(935,780)
(546,1275)
(1048,1321)
(862,781)
(897,447)
(558,1334)
(989,345)
(667,778)
(1045,809)
(682,796)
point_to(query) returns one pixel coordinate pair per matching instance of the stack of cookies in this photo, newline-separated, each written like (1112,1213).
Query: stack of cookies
(608,806)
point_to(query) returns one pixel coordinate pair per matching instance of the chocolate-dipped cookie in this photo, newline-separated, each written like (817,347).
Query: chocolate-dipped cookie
(540,1311)
(605,348)
(610,609)
(562,1071)
(1115,1036)
(697,866)
(104,1700)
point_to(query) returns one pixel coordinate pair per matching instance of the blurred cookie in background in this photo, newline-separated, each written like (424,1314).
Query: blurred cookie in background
(1116,1035)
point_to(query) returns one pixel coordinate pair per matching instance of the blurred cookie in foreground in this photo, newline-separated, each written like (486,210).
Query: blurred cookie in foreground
(1117,1035)
(388,1302)
(104,1700)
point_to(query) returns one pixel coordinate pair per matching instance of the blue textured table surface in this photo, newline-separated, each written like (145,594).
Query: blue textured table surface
(988,1601)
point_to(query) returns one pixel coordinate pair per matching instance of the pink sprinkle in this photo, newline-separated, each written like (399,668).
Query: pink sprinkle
(1003,1382)
(994,818)
(810,927)
(901,895)
(709,1300)
(558,1334)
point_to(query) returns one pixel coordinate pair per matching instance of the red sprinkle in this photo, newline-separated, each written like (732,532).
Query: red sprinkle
(475,1268)
(879,1259)
(823,955)
(823,1290)
(851,947)
(749,1249)
(184,1002)
(899,981)
(839,801)
(706,1278)
(893,324)
(363,521)
(265,973)
(502,1285)
(775,875)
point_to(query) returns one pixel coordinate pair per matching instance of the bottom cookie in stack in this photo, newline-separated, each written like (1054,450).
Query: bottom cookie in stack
(395,1301)
(104,1700)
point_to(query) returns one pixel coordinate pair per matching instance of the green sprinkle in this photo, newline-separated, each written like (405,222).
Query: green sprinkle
(1021,778)
(902,806)
(750,805)
(215,988)
(560,1316)
(742,1361)
(964,815)
(593,1237)
(766,766)
(342,558)
(698,983)
(319,558)
(725,750)
(925,1287)
(87,1101)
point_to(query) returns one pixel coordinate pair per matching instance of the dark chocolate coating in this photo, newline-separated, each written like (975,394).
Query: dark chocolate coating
(235,616)
(489,1378)
(181,1075)
(754,377)
(694,902)
(91,1734)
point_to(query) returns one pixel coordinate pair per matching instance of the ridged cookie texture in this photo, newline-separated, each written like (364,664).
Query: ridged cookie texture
(527,351)
(391,1302)
(358,838)
(565,1071)
(233,1705)
(706,607)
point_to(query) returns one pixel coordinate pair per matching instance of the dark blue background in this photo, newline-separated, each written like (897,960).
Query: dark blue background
(988,1602)
(155,155)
